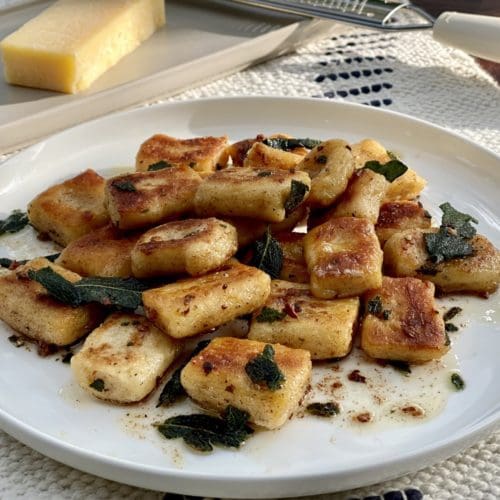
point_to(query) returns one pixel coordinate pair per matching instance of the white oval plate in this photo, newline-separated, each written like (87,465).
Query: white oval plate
(40,405)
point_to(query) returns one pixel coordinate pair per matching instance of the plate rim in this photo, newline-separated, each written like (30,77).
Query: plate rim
(436,451)
(330,102)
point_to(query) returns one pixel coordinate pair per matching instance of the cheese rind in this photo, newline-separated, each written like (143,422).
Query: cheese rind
(70,44)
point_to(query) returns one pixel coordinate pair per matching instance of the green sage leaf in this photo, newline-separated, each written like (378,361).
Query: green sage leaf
(264,370)
(16,221)
(390,170)
(202,432)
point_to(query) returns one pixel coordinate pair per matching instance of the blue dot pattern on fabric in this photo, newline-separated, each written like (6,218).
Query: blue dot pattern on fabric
(351,69)
(407,494)
(394,495)
(413,494)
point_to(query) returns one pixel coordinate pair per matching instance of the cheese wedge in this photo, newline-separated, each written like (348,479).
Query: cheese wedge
(72,43)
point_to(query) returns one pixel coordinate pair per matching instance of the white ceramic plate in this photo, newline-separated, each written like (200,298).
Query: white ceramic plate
(41,406)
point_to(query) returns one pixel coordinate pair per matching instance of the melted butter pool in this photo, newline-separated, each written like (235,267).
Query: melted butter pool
(387,397)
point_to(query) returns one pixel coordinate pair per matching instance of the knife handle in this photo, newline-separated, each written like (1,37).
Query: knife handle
(477,35)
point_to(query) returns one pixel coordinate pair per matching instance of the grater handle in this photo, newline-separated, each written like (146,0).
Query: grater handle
(474,34)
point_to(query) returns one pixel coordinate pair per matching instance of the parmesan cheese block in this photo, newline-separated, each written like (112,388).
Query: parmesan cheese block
(72,43)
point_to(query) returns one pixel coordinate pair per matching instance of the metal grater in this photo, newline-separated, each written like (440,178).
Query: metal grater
(386,15)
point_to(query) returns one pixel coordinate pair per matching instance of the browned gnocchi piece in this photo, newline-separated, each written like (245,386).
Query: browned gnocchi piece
(323,327)
(29,309)
(265,195)
(402,323)
(216,378)
(405,254)
(261,156)
(67,211)
(123,360)
(203,154)
(363,196)
(398,216)
(406,187)
(195,305)
(103,252)
(144,199)
(193,246)
(330,165)
(294,263)
(344,258)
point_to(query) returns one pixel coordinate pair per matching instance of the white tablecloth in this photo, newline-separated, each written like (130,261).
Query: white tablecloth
(404,72)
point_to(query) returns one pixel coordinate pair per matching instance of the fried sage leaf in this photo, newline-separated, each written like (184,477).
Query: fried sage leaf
(98,385)
(270,315)
(374,306)
(288,144)
(447,340)
(202,432)
(324,409)
(173,390)
(444,245)
(451,313)
(297,192)
(12,263)
(390,170)
(400,366)
(160,165)
(450,327)
(457,381)
(264,370)
(57,286)
(66,359)
(121,292)
(14,222)
(457,220)
(268,255)
(124,185)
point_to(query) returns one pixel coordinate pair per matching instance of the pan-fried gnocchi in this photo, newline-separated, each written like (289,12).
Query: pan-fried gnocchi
(363,196)
(315,251)
(330,165)
(196,305)
(67,211)
(103,252)
(398,216)
(216,378)
(247,192)
(192,246)
(344,258)
(203,154)
(143,199)
(294,263)
(123,359)
(406,187)
(261,156)
(402,323)
(405,254)
(30,310)
(325,328)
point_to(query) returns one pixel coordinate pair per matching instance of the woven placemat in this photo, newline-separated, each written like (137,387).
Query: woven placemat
(408,73)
